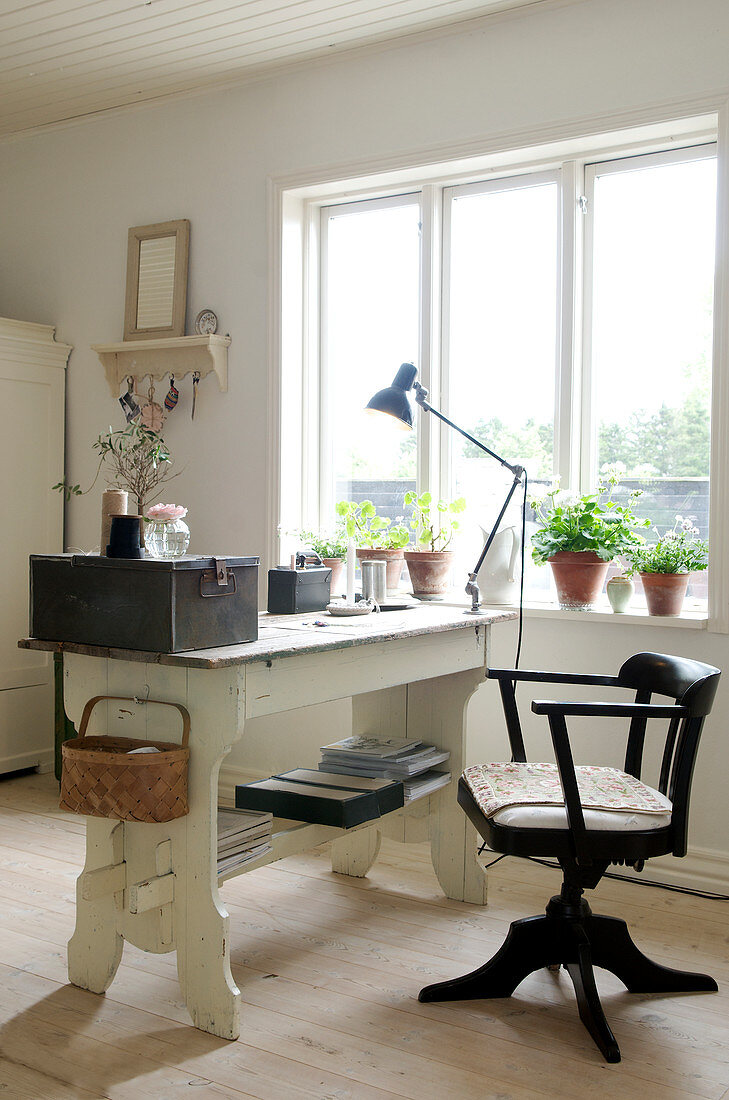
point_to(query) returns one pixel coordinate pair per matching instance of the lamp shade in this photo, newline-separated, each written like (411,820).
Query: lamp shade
(393,400)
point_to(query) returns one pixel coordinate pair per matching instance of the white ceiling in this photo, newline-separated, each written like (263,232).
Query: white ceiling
(62,59)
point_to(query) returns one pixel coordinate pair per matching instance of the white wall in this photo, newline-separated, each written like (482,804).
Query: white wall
(68,196)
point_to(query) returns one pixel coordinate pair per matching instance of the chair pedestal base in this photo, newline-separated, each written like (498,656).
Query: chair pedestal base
(571,935)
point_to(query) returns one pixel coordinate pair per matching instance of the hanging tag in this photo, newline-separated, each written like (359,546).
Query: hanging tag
(195,383)
(128,402)
(172,396)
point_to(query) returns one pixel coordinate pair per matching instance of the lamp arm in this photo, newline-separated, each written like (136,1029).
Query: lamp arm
(421,395)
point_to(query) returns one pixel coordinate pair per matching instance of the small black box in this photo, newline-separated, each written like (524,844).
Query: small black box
(146,604)
(320,798)
(292,591)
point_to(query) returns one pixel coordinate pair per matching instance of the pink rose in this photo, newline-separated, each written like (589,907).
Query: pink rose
(166,511)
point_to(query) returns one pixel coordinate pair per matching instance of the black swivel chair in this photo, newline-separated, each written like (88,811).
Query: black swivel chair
(570,934)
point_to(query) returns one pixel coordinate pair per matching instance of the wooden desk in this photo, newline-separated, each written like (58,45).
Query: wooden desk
(409,674)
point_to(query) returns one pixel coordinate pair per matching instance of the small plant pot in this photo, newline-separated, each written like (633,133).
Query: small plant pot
(665,592)
(394,559)
(579,576)
(430,573)
(620,591)
(338,582)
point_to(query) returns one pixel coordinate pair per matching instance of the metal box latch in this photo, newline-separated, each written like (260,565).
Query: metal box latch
(219,581)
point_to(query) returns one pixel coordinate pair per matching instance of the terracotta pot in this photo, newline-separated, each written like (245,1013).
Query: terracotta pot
(430,573)
(394,559)
(338,582)
(664,592)
(579,576)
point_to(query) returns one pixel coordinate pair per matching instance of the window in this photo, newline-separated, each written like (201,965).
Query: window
(650,266)
(370,305)
(563,315)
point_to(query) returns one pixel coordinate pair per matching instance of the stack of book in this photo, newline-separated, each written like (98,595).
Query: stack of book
(413,763)
(242,837)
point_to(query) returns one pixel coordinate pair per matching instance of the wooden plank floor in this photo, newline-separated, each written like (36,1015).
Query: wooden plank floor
(329,970)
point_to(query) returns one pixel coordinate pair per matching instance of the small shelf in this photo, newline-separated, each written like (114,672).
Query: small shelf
(180,355)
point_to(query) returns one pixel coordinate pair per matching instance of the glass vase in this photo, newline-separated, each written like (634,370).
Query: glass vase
(166,539)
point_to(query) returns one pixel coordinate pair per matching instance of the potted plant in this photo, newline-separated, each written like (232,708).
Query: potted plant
(580,536)
(429,564)
(375,537)
(665,567)
(332,549)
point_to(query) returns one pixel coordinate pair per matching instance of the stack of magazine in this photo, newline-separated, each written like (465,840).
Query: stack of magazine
(411,762)
(242,837)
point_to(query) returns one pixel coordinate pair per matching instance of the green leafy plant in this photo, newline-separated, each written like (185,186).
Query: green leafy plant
(677,551)
(137,459)
(592,522)
(325,545)
(362,523)
(434,523)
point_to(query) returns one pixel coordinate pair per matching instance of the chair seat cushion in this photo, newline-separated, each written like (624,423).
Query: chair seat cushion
(529,796)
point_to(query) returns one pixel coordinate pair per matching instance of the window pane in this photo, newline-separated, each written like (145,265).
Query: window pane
(372,325)
(654,230)
(502,353)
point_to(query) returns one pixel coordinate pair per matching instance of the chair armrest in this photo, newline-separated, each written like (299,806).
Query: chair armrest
(609,710)
(552,677)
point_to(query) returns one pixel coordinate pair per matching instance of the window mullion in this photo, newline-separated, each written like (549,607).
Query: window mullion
(319,477)
(430,366)
(588,430)
(567,442)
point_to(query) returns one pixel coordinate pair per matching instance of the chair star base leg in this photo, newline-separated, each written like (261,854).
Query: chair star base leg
(570,935)
(613,949)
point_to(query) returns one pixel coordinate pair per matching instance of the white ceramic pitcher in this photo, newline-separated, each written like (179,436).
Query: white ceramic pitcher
(498,577)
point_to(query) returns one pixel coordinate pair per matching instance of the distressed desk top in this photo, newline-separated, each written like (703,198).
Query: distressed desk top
(289,635)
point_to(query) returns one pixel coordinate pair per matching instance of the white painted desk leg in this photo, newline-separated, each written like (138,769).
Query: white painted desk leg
(202,922)
(437,713)
(384,713)
(95,948)
(194,922)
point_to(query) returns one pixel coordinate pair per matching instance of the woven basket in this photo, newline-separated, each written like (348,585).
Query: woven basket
(100,779)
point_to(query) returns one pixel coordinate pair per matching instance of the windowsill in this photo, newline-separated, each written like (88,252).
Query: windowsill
(691,618)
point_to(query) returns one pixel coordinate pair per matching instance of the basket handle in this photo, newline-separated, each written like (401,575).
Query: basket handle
(185,714)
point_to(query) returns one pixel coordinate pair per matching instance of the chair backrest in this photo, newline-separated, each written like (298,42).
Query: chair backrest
(692,685)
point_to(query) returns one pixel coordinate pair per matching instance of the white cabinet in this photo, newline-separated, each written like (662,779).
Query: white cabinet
(32,393)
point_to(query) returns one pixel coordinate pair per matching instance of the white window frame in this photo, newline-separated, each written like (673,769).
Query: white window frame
(322,509)
(588,421)
(563,352)
(295,205)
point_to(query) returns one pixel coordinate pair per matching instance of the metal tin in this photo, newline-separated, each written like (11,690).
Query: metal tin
(374,580)
(157,606)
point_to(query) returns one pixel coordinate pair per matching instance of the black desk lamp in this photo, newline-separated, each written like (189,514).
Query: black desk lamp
(394,401)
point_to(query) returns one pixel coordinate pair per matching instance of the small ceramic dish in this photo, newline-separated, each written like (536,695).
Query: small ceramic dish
(361,608)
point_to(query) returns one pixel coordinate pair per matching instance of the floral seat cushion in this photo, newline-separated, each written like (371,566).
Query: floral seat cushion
(530,796)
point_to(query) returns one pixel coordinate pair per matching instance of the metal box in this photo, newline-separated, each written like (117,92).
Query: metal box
(291,591)
(145,604)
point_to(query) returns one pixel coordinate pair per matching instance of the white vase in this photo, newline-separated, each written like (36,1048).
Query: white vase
(498,577)
(620,591)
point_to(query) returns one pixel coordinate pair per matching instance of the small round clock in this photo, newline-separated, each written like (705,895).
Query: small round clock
(152,416)
(206,323)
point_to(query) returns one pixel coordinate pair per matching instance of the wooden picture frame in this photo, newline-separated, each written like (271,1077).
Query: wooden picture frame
(156,298)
